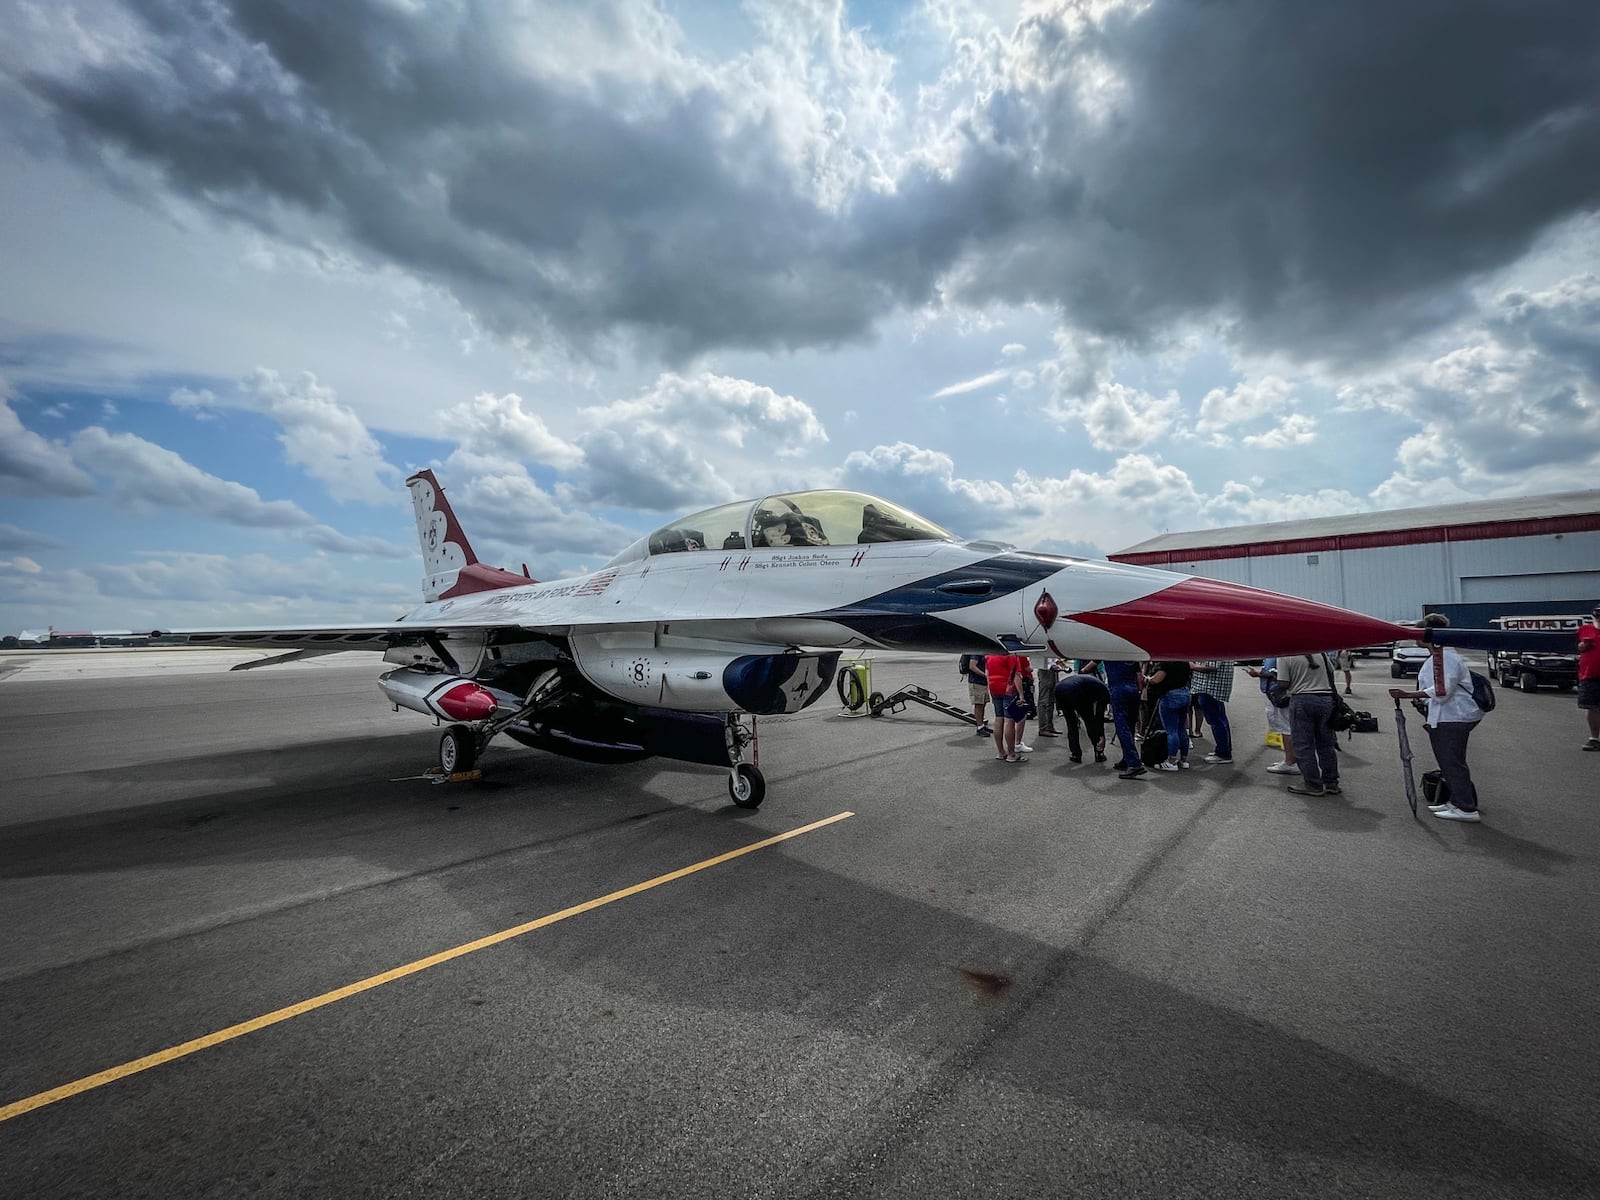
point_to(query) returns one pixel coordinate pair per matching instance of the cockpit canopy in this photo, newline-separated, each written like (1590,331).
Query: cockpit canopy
(798,519)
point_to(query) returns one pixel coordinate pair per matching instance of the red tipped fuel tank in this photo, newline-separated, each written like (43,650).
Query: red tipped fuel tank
(448,697)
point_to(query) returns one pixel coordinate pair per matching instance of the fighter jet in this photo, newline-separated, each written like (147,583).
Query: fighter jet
(678,644)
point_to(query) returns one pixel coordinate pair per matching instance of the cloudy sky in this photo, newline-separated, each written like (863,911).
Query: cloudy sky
(1065,274)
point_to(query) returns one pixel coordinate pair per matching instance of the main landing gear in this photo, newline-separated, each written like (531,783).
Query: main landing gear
(460,746)
(458,750)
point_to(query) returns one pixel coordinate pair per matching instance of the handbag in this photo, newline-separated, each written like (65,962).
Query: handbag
(1027,697)
(1343,719)
(1278,693)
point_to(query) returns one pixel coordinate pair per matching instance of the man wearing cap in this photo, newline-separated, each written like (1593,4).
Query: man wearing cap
(1589,675)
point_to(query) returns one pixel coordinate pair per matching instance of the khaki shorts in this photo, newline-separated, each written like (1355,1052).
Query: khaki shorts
(1346,660)
(977,693)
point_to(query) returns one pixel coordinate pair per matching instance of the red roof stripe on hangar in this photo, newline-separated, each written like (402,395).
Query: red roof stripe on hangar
(1423,535)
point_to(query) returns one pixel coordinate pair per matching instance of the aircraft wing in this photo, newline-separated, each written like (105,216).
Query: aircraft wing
(328,638)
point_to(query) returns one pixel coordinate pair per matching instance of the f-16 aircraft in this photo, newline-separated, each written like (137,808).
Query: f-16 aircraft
(676,645)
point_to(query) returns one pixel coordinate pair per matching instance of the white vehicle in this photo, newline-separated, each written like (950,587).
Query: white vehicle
(1406,658)
(681,641)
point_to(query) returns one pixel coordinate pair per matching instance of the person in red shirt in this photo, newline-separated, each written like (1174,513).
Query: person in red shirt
(1589,675)
(1006,672)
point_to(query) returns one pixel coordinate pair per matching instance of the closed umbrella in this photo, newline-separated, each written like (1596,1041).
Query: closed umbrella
(1405,757)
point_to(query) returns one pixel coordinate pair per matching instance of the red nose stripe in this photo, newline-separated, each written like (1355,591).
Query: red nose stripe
(1207,618)
(466,702)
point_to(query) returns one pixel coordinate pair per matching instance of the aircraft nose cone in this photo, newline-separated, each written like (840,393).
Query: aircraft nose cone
(1211,619)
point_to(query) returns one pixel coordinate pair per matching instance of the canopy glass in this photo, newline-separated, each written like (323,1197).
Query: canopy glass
(819,518)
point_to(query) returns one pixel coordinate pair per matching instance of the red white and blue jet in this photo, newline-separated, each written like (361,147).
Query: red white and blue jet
(743,610)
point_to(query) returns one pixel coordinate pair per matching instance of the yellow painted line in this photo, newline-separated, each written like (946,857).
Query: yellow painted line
(112,1074)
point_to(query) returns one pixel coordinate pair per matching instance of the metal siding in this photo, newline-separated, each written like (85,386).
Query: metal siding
(1527,555)
(1393,582)
(1294,576)
(1234,570)
(1565,586)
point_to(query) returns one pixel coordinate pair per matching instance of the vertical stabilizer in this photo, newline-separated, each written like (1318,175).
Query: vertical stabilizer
(445,549)
(449,567)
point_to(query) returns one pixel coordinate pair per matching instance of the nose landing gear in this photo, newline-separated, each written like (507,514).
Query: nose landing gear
(747,786)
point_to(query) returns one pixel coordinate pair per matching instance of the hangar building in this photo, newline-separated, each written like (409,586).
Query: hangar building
(1475,560)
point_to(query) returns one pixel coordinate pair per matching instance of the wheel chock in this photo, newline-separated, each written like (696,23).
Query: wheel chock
(437,775)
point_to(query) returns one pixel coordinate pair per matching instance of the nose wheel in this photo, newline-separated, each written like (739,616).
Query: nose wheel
(747,786)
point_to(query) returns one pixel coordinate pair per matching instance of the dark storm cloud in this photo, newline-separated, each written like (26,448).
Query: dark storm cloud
(1324,179)
(540,204)
(1326,176)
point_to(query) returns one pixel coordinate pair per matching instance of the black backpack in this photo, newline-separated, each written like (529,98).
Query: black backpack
(1482,692)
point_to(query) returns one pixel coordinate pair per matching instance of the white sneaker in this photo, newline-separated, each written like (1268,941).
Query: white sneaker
(1217,758)
(1021,749)
(1282,768)
(1165,766)
(1451,813)
(1183,764)
(1438,807)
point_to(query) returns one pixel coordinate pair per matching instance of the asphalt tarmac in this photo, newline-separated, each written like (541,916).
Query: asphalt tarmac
(986,980)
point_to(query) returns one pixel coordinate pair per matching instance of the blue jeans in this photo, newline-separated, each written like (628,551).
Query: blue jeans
(1174,711)
(1124,712)
(1316,746)
(1216,715)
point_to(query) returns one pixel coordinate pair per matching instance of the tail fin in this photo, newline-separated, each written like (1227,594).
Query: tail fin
(449,567)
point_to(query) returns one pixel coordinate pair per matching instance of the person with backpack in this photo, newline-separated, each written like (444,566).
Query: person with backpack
(974,670)
(1446,684)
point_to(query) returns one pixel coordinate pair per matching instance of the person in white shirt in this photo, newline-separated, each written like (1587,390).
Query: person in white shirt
(1446,684)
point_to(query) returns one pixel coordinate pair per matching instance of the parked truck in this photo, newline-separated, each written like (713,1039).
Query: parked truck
(1531,670)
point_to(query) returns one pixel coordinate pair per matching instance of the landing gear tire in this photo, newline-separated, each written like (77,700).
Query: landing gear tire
(747,786)
(875,704)
(458,750)
(1529,682)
